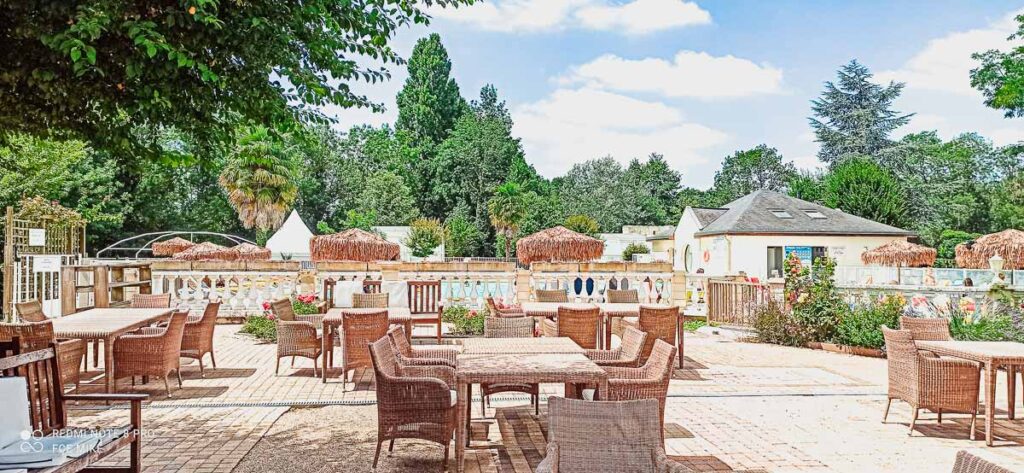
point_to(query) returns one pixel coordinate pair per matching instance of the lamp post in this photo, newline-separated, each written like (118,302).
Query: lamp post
(996,263)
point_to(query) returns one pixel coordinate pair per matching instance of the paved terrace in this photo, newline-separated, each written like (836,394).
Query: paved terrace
(735,407)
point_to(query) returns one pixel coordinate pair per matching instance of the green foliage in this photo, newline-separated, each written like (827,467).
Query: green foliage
(949,239)
(507,210)
(860,187)
(657,186)
(425,235)
(816,305)
(861,327)
(38,209)
(1000,78)
(613,196)
(429,103)
(582,224)
(634,249)
(463,320)
(749,170)
(854,117)
(386,194)
(774,325)
(694,325)
(262,327)
(1008,203)
(992,328)
(807,185)
(304,308)
(259,179)
(464,237)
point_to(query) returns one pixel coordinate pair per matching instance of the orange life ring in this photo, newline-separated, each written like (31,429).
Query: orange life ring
(707,256)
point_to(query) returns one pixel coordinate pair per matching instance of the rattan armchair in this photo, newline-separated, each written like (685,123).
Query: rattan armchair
(579,324)
(622,296)
(937,384)
(377,300)
(197,340)
(509,327)
(39,336)
(420,355)
(551,295)
(503,312)
(415,402)
(967,462)
(30,311)
(580,439)
(153,353)
(358,331)
(294,337)
(151,301)
(626,355)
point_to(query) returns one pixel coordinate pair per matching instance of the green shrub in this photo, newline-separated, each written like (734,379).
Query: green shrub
(261,327)
(693,325)
(463,320)
(817,306)
(305,304)
(774,325)
(990,328)
(634,249)
(425,235)
(861,327)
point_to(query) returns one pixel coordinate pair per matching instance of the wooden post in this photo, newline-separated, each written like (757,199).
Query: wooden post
(68,290)
(8,266)
(102,287)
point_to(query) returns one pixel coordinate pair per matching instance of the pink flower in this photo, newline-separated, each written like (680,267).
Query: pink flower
(270,317)
(472,313)
(266,305)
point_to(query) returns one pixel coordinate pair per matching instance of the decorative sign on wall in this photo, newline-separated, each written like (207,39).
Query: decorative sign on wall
(804,253)
(36,237)
(46,264)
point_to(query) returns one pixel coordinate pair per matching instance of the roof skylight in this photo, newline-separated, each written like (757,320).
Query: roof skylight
(815,214)
(780,213)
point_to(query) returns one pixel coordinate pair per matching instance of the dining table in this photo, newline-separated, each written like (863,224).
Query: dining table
(332,320)
(518,360)
(105,325)
(991,356)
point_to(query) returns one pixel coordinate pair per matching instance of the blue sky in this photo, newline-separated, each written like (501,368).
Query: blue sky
(699,80)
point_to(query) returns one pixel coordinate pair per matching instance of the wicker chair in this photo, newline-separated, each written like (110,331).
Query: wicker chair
(294,337)
(153,353)
(659,323)
(581,441)
(39,336)
(416,402)
(31,311)
(967,462)
(420,355)
(509,327)
(151,301)
(500,312)
(627,355)
(359,330)
(622,296)
(581,325)
(936,384)
(934,329)
(377,300)
(552,295)
(197,340)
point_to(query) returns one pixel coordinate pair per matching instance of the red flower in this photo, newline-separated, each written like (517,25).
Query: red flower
(270,317)
(266,305)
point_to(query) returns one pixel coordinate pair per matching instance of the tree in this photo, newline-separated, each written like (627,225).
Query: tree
(948,240)
(807,185)
(425,235)
(429,103)
(582,224)
(860,187)
(386,194)
(634,249)
(464,237)
(87,66)
(657,184)
(1008,204)
(690,197)
(749,170)
(599,188)
(1000,78)
(259,180)
(854,117)
(507,209)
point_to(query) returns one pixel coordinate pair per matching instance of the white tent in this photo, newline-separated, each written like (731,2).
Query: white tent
(292,239)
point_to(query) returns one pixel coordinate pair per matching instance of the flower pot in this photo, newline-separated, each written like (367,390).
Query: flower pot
(864,351)
(814,345)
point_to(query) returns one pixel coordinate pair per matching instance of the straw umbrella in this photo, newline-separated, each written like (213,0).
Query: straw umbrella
(1008,244)
(172,246)
(352,245)
(250,252)
(900,253)
(558,244)
(207,251)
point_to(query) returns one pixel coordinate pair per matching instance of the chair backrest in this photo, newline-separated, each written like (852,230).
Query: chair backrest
(377,300)
(30,311)
(968,462)
(383,358)
(283,310)
(359,330)
(492,307)
(604,437)
(371,286)
(633,342)
(579,324)
(932,329)
(624,296)
(173,336)
(201,333)
(659,364)
(399,341)
(659,323)
(903,362)
(552,295)
(151,301)
(508,327)
(424,297)
(41,371)
(30,336)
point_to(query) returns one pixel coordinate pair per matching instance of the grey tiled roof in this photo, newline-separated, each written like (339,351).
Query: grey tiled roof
(705,216)
(752,213)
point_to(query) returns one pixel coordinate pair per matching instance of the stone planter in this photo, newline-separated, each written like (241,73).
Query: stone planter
(833,347)
(863,351)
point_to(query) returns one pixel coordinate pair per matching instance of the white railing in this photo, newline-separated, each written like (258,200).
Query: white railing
(592,286)
(241,292)
(853,276)
(469,288)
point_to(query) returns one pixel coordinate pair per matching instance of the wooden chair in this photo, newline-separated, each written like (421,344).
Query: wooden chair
(376,300)
(622,296)
(581,325)
(627,354)
(39,336)
(197,340)
(413,402)
(30,311)
(420,355)
(659,323)
(359,330)
(580,439)
(48,411)
(151,301)
(371,286)
(551,295)
(509,327)
(936,384)
(154,351)
(425,304)
(294,337)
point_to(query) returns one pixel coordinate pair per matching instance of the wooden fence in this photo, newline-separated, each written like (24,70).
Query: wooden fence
(735,302)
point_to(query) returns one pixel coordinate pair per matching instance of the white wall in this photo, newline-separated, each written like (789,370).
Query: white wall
(730,254)
(398,235)
(688,225)
(615,243)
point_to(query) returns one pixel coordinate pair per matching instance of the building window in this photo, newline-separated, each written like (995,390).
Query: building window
(815,214)
(775,259)
(780,213)
(688,258)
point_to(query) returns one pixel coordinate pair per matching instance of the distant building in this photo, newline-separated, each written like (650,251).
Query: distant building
(616,243)
(753,234)
(399,234)
(291,241)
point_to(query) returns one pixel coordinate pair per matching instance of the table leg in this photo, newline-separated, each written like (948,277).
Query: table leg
(326,349)
(990,401)
(108,363)
(607,332)
(679,338)
(460,425)
(1011,390)
(408,330)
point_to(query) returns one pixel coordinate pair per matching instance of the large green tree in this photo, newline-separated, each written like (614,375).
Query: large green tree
(1008,204)
(657,184)
(749,170)
(429,103)
(97,68)
(599,188)
(386,194)
(854,116)
(861,187)
(507,210)
(1000,77)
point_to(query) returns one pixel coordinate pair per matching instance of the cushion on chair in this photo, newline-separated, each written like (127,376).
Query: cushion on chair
(15,421)
(455,397)
(588,394)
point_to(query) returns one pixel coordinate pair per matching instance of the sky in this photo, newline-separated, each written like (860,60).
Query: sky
(699,80)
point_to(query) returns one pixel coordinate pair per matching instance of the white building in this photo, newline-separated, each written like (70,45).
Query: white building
(291,241)
(616,243)
(398,235)
(753,234)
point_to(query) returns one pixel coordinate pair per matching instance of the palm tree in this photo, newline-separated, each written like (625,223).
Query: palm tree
(258,180)
(508,209)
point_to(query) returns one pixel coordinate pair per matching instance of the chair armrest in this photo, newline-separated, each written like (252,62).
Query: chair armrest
(603,355)
(616,372)
(448,354)
(418,392)
(550,462)
(423,361)
(443,373)
(150,331)
(549,328)
(106,397)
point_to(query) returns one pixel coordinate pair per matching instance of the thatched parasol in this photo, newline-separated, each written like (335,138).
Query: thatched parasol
(352,245)
(1008,244)
(207,251)
(900,253)
(558,244)
(250,252)
(172,246)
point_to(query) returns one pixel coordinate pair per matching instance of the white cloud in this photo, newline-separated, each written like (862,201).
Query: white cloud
(516,16)
(572,126)
(688,74)
(643,16)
